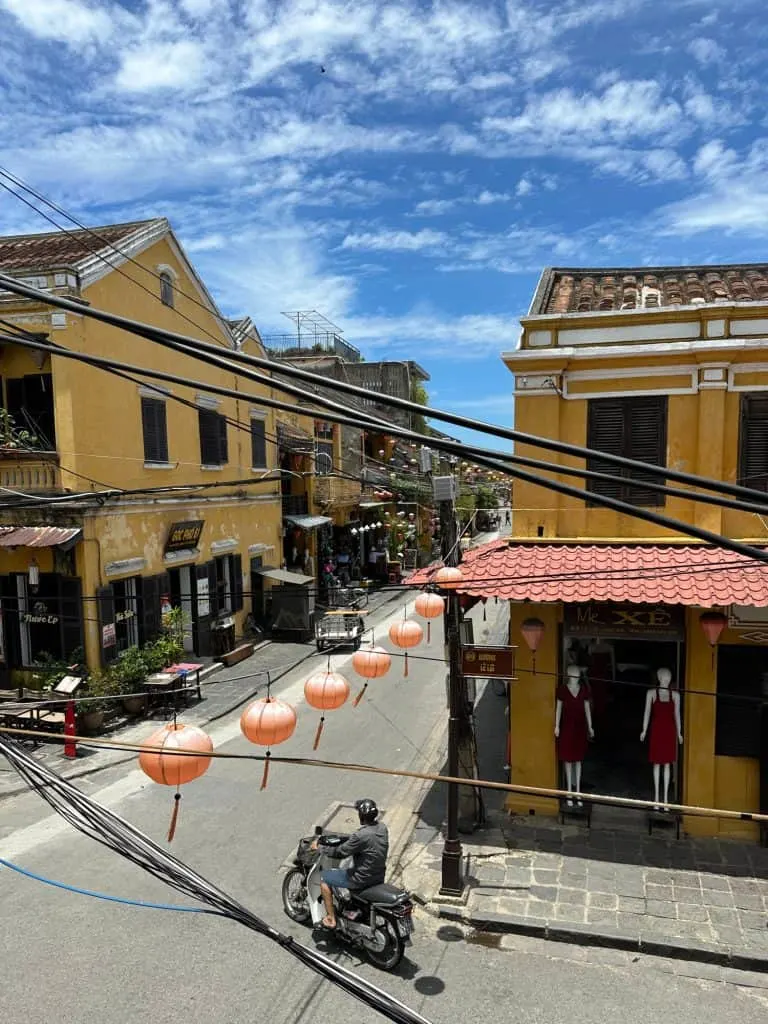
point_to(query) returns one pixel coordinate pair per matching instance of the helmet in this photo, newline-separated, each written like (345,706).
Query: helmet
(367,811)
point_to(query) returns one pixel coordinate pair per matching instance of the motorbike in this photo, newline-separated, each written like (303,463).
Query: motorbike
(378,920)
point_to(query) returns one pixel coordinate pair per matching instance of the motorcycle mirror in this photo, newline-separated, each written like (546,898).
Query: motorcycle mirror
(318,830)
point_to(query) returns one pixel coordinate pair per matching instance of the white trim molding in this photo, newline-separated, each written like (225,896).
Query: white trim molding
(690,373)
(125,567)
(207,402)
(164,268)
(154,391)
(738,369)
(218,547)
(260,549)
(257,414)
(184,555)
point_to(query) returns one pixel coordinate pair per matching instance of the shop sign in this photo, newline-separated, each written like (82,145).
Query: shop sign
(496,662)
(123,616)
(625,619)
(39,615)
(184,535)
(203,597)
(108,635)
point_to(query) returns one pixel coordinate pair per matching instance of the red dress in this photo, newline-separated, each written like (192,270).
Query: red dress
(573,738)
(662,736)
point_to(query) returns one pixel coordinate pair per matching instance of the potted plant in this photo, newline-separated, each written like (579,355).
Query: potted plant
(129,671)
(101,686)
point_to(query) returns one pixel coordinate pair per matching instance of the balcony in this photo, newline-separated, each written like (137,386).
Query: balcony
(295,505)
(336,490)
(31,474)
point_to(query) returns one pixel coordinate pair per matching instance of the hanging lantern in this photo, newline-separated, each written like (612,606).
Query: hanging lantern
(169,768)
(326,691)
(533,632)
(713,624)
(406,634)
(370,663)
(429,606)
(266,723)
(448,578)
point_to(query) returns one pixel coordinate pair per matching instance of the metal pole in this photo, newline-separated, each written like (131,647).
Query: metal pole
(452,881)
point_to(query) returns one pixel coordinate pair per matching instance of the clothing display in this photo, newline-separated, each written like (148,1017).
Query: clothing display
(574,735)
(662,731)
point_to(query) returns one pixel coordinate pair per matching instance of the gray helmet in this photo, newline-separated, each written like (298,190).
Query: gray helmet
(367,811)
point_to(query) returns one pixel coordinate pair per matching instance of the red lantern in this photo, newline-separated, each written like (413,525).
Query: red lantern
(429,606)
(326,691)
(406,634)
(713,624)
(168,768)
(448,578)
(268,722)
(533,632)
(370,663)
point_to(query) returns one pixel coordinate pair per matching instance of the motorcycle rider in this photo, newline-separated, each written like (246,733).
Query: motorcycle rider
(368,848)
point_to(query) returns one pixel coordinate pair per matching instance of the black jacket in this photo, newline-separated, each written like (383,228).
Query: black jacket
(368,848)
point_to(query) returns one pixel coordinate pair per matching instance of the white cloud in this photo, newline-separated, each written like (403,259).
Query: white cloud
(433,207)
(395,241)
(487,197)
(172,65)
(70,21)
(431,331)
(490,80)
(524,187)
(706,51)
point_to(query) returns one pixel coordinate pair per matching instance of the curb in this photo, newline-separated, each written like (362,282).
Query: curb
(586,935)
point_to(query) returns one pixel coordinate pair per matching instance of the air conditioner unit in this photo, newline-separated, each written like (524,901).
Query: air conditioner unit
(444,488)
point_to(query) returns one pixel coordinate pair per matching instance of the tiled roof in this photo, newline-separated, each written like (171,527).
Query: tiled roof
(36,536)
(62,249)
(634,573)
(585,290)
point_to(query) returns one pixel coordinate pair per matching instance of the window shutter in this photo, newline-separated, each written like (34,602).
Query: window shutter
(258,444)
(71,605)
(635,428)
(105,600)
(753,447)
(647,442)
(212,588)
(201,624)
(150,608)
(236,572)
(155,429)
(222,431)
(210,438)
(605,432)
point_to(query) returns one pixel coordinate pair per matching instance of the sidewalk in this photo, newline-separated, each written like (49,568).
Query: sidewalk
(696,899)
(224,691)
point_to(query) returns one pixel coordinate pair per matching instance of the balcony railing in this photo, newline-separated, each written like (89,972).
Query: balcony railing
(37,476)
(295,505)
(336,489)
(284,346)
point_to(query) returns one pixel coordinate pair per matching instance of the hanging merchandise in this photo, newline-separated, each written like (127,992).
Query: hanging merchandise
(713,624)
(406,634)
(168,768)
(429,606)
(370,663)
(266,723)
(326,691)
(533,632)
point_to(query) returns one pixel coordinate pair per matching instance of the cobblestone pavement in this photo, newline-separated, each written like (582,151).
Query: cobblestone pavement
(703,899)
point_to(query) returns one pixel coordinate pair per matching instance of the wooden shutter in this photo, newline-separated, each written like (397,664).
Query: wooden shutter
(258,444)
(605,432)
(647,442)
(236,572)
(213,441)
(201,626)
(149,609)
(71,605)
(753,442)
(155,428)
(105,600)
(223,445)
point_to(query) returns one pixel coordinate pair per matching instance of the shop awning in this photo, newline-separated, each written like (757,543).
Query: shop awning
(627,573)
(284,576)
(309,522)
(372,504)
(38,536)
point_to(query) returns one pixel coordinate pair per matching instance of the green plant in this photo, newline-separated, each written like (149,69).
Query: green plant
(101,687)
(130,670)
(12,436)
(49,670)
(465,506)
(162,652)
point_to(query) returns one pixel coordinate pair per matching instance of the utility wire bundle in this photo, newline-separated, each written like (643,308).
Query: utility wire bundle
(118,835)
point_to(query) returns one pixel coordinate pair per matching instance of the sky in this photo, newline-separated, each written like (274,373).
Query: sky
(407,169)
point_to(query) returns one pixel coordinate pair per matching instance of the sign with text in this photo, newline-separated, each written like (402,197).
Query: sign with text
(596,619)
(486,662)
(108,635)
(184,535)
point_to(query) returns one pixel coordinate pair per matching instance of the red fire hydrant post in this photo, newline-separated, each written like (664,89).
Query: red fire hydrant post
(70,730)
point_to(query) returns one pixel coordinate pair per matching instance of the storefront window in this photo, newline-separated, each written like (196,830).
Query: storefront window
(126,613)
(49,619)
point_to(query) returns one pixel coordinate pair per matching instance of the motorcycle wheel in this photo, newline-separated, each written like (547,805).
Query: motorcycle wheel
(295,902)
(392,953)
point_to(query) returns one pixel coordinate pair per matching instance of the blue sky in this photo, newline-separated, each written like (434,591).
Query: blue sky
(413,190)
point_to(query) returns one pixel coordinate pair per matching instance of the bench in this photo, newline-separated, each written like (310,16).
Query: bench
(239,654)
(173,683)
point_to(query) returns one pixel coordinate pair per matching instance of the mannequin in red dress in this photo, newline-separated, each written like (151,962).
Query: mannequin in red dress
(661,722)
(573,728)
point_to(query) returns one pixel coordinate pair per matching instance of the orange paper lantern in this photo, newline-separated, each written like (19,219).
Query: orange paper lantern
(406,634)
(370,663)
(326,691)
(267,722)
(448,578)
(169,768)
(429,606)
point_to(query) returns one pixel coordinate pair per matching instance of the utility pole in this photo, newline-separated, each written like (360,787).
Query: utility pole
(452,881)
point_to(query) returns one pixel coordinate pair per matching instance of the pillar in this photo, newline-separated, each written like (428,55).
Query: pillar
(698,782)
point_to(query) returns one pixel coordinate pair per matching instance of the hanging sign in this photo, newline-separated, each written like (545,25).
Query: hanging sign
(487,662)
(184,535)
(598,619)
(108,635)
(203,597)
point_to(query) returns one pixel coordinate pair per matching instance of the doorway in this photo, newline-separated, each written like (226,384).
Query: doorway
(183,596)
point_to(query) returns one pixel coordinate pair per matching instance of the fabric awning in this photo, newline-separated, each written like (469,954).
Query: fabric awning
(284,576)
(309,522)
(694,575)
(38,536)
(295,439)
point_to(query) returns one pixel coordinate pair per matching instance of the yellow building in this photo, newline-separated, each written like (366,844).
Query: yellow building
(668,366)
(199,515)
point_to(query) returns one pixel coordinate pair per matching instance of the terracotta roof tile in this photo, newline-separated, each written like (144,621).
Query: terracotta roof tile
(634,573)
(60,249)
(588,290)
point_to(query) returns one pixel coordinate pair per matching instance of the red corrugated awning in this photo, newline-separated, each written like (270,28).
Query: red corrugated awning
(635,573)
(37,536)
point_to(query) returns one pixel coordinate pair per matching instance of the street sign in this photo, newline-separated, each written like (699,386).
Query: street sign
(488,662)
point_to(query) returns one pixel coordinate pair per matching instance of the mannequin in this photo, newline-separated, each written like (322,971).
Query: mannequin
(662,719)
(573,728)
